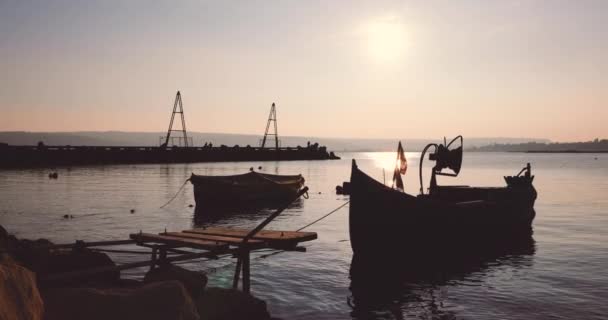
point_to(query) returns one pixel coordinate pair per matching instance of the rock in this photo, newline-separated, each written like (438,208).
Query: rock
(193,281)
(167,300)
(229,304)
(27,252)
(36,256)
(19,295)
(78,259)
(3,239)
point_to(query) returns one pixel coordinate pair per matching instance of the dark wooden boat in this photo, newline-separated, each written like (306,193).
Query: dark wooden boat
(251,187)
(385,220)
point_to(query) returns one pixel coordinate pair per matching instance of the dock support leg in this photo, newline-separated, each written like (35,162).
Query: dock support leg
(153,261)
(162,259)
(237,274)
(246,274)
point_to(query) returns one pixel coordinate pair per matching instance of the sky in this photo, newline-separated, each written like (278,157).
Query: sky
(359,69)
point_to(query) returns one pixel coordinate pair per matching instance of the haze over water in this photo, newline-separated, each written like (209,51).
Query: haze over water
(562,275)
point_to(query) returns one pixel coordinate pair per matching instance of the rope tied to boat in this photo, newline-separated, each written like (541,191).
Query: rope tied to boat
(176,194)
(264,256)
(325,216)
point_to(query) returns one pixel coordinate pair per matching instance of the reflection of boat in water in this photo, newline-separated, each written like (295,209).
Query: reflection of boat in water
(244,189)
(385,220)
(404,283)
(238,214)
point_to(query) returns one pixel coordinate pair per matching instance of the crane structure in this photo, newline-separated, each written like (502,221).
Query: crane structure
(272,118)
(178,108)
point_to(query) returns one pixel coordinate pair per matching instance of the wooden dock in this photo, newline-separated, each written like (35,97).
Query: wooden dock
(208,242)
(217,241)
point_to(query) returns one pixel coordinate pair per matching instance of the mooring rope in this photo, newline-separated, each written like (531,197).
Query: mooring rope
(275,251)
(325,216)
(178,191)
(304,227)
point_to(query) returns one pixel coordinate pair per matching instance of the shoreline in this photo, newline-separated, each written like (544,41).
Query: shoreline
(539,151)
(563,151)
(167,291)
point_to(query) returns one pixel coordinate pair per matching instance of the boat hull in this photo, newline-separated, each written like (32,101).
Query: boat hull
(383,221)
(248,188)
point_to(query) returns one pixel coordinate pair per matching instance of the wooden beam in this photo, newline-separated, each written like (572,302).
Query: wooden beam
(80,243)
(265,235)
(273,215)
(226,239)
(180,242)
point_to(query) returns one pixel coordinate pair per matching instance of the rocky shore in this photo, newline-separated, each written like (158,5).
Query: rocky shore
(167,292)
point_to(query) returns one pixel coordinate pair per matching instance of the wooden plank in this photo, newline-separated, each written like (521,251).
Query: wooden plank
(179,242)
(90,244)
(209,237)
(265,235)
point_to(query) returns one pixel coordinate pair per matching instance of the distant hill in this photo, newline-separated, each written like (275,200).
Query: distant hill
(596,145)
(118,138)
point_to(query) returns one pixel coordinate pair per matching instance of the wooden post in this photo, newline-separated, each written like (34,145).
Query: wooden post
(153,262)
(237,274)
(246,274)
(163,256)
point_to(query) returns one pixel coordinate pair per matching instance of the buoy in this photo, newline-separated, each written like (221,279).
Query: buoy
(260,168)
(132,210)
(66,216)
(190,205)
(251,169)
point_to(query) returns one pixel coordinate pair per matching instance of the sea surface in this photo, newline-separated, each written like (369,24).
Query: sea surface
(563,275)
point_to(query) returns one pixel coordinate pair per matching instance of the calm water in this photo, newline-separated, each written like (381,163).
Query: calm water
(564,275)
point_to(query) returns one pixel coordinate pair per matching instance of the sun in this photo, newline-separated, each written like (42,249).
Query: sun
(386,39)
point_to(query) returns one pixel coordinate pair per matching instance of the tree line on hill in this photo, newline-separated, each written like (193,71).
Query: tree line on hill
(596,145)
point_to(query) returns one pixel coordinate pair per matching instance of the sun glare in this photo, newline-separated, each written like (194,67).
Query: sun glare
(386,39)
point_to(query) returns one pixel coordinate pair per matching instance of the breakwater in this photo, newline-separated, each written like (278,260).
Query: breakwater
(43,156)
